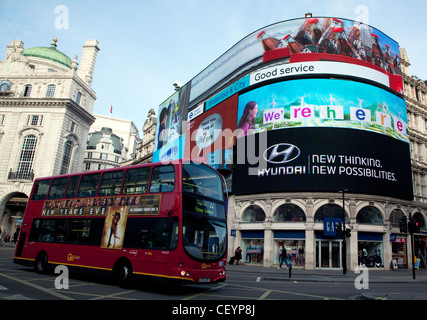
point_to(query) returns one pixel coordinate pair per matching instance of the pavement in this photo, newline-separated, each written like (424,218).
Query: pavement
(378,275)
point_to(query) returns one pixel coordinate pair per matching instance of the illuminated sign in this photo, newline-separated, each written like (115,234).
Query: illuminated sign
(307,39)
(324,103)
(326,160)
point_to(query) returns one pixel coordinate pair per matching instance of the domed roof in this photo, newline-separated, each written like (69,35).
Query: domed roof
(49,53)
(97,136)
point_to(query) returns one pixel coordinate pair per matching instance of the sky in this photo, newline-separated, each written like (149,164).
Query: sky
(146,45)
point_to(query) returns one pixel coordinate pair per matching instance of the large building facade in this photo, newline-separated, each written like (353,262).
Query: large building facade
(46,106)
(111,142)
(314,123)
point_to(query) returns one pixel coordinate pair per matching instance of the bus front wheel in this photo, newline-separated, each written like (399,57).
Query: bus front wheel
(123,273)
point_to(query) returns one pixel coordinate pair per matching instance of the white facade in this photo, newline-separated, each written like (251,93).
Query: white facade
(46,105)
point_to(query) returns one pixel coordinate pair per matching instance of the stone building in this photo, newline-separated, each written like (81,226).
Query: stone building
(46,106)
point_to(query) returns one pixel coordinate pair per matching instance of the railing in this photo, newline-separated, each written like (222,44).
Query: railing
(20,175)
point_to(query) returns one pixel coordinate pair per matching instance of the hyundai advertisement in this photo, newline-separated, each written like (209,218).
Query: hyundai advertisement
(324,159)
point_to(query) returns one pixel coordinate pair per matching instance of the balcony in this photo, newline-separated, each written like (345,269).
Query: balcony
(21,175)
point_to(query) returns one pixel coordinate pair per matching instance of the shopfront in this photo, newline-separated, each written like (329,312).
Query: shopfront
(399,250)
(294,243)
(328,254)
(253,246)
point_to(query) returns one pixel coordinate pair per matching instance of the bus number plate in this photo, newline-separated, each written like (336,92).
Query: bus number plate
(205,280)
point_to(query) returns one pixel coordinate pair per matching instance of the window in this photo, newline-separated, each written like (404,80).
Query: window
(288,213)
(34,120)
(73,231)
(89,185)
(66,158)
(41,189)
(78,97)
(27,90)
(73,126)
(136,181)
(111,183)
(72,187)
(152,233)
(162,179)
(57,190)
(50,91)
(370,215)
(253,213)
(27,156)
(2,117)
(201,180)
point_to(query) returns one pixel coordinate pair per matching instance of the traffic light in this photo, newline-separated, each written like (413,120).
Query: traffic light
(413,226)
(403,225)
(348,233)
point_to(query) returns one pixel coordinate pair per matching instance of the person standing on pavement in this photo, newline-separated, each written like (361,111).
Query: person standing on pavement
(283,256)
(238,254)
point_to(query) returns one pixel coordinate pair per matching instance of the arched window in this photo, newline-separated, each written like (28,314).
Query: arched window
(329,211)
(26,158)
(395,216)
(370,215)
(253,213)
(66,158)
(288,213)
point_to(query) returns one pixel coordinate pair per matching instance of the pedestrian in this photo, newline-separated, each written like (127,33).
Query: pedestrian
(238,255)
(283,257)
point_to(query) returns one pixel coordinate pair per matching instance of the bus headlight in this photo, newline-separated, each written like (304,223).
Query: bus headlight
(185,273)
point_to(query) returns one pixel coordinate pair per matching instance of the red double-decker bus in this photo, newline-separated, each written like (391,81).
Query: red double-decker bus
(156,220)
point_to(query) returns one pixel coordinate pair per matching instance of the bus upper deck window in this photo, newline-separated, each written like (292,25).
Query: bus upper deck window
(162,179)
(111,183)
(136,180)
(89,185)
(72,187)
(41,189)
(57,190)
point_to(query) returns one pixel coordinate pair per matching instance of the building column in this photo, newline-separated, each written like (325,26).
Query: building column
(268,248)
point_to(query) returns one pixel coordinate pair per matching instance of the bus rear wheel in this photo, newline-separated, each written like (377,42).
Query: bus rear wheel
(41,263)
(123,273)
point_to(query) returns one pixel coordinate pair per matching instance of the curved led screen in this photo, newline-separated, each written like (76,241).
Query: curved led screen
(307,39)
(324,103)
(323,160)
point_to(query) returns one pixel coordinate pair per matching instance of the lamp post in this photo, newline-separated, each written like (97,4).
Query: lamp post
(344,241)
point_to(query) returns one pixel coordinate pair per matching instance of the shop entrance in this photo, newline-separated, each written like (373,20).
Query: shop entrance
(328,254)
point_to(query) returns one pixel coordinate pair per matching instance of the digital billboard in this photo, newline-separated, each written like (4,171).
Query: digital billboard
(315,101)
(324,103)
(324,159)
(311,39)
(210,136)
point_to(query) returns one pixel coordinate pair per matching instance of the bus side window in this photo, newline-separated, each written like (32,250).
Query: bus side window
(41,189)
(162,179)
(111,183)
(89,185)
(72,187)
(136,180)
(57,189)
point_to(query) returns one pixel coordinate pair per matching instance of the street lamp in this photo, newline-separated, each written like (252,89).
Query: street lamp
(344,241)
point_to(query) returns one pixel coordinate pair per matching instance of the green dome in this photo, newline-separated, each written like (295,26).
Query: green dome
(49,54)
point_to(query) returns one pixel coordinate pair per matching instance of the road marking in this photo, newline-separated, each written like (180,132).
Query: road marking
(258,279)
(265,295)
(49,291)
(202,293)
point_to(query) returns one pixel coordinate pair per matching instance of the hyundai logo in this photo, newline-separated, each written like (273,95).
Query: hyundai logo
(281,153)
